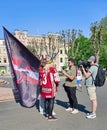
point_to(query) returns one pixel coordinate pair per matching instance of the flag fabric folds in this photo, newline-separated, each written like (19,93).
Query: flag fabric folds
(24,69)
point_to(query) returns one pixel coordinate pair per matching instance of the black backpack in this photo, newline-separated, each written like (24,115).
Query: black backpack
(100,77)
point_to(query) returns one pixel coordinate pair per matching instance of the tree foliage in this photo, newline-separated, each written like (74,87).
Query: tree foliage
(78,46)
(95,45)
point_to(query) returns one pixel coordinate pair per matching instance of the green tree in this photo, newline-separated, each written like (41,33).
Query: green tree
(76,45)
(68,39)
(84,49)
(96,39)
(103,54)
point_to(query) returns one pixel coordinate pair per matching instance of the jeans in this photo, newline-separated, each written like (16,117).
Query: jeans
(71,93)
(41,106)
(49,105)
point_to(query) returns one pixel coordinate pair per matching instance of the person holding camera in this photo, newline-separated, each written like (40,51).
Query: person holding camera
(70,86)
(90,74)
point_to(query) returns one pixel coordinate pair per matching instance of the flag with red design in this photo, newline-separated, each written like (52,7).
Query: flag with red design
(24,69)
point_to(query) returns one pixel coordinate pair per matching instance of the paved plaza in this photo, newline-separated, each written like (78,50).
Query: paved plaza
(15,117)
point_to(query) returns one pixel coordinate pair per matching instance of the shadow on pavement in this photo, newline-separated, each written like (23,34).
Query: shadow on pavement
(61,103)
(81,108)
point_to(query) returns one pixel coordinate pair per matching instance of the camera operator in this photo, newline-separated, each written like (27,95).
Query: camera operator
(90,74)
(70,86)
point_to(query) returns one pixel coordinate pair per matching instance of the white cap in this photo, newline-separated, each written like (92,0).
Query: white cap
(92,58)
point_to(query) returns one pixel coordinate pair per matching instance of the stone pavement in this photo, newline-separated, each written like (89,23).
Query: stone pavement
(9,94)
(6,94)
(15,117)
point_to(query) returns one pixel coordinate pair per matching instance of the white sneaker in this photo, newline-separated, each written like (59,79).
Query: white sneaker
(69,109)
(53,113)
(91,115)
(75,111)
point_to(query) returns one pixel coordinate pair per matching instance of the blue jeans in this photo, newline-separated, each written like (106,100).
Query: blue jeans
(49,105)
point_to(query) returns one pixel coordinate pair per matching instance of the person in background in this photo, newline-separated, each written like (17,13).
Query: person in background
(41,100)
(70,86)
(79,79)
(49,81)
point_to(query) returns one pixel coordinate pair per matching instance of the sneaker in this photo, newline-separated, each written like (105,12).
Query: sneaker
(69,109)
(75,111)
(52,118)
(91,115)
(46,116)
(88,113)
(53,113)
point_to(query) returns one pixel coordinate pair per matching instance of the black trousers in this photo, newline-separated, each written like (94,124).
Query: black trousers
(71,94)
(49,105)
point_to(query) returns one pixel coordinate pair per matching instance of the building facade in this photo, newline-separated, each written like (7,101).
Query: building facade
(4,64)
(43,44)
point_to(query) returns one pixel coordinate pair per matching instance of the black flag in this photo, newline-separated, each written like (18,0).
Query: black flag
(24,68)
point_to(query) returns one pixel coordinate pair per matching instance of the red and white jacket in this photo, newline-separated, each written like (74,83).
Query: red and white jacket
(49,80)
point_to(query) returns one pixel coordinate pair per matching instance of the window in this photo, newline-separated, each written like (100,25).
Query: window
(61,51)
(4,60)
(61,60)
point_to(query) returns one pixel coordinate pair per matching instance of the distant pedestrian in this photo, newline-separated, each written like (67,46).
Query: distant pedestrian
(79,79)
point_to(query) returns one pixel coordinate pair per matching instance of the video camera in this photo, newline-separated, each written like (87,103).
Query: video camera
(64,67)
(85,64)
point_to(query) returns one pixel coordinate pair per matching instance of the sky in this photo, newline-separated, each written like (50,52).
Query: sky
(42,16)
